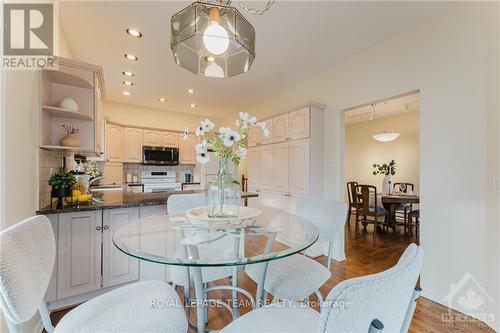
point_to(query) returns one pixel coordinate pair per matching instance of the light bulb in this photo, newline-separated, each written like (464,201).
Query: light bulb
(214,70)
(216,39)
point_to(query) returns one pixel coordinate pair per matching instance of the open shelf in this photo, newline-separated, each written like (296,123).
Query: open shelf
(68,149)
(65,113)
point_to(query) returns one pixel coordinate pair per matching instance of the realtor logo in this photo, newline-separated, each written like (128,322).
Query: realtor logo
(469,297)
(28,29)
(28,36)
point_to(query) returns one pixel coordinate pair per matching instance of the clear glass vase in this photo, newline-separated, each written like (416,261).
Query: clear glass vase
(223,194)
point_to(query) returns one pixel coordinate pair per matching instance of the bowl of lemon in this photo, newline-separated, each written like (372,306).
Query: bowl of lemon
(78,197)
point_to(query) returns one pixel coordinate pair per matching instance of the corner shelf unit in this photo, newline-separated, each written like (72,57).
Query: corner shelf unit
(81,82)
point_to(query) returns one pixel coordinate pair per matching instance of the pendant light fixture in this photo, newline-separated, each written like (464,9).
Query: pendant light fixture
(213,39)
(384,136)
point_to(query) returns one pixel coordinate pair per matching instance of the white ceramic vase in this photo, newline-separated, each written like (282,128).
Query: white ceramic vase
(387,184)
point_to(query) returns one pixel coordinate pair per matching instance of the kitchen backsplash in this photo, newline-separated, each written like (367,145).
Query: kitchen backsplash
(137,169)
(50,162)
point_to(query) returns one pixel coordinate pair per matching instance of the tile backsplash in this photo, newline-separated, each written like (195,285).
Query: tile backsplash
(49,163)
(136,170)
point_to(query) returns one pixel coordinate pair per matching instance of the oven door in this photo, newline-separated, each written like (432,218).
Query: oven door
(160,155)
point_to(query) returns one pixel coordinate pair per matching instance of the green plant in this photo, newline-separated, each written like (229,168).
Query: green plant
(62,180)
(385,169)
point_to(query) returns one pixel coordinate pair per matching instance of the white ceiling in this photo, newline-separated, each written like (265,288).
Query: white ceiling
(386,108)
(294,40)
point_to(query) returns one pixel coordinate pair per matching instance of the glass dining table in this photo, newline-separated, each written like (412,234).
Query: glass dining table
(195,245)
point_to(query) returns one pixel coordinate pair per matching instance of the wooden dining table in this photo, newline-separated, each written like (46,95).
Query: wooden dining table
(391,202)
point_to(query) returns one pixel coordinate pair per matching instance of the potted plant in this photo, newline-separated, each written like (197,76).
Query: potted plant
(224,192)
(61,183)
(388,170)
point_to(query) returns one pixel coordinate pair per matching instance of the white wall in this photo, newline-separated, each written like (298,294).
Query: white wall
(453,59)
(362,151)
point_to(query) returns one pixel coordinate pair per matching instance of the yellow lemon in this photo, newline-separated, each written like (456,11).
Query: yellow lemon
(76,193)
(84,197)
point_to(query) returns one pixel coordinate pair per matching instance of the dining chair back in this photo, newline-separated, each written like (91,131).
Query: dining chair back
(353,198)
(179,203)
(27,257)
(387,298)
(368,206)
(329,216)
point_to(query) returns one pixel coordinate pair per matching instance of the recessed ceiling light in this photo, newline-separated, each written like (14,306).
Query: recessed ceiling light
(126,93)
(134,33)
(127,73)
(131,57)
(192,105)
(162,99)
(190,91)
(128,83)
(210,59)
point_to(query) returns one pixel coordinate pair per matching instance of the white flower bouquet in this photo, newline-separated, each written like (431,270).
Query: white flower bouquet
(226,143)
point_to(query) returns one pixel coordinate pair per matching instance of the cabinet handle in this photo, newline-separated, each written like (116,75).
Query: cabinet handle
(98,228)
(105,227)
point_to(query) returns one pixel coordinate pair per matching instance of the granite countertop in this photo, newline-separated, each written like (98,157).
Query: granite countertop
(122,199)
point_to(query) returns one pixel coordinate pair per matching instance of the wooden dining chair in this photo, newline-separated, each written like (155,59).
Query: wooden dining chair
(414,214)
(353,200)
(244,188)
(365,210)
(403,210)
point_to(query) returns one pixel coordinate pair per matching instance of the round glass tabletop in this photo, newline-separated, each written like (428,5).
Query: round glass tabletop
(176,240)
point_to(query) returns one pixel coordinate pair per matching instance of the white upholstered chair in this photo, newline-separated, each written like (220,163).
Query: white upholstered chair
(27,257)
(297,277)
(179,203)
(382,302)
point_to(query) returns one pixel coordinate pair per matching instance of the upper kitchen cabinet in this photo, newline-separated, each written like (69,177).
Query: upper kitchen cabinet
(69,98)
(133,145)
(114,143)
(170,139)
(253,137)
(151,138)
(281,128)
(299,124)
(187,150)
(262,139)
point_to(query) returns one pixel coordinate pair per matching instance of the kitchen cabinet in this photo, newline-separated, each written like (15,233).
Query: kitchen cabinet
(281,128)
(266,167)
(187,150)
(253,136)
(253,169)
(114,143)
(78,253)
(170,139)
(262,139)
(117,267)
(113,173)
(152,138)
(300,124)
(133,145)
(279,179)
(299,162)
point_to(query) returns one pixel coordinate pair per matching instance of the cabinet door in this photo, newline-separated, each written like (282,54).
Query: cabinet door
(299,167)
(113,173)
(253,136)
(253,167)
(186,150)
(78,253)
(151,138)
(114,143)
(299,124)
(262,139)
(117,267)
(133,145)
(281,128)
(170,139)
(280,167)
(266,167)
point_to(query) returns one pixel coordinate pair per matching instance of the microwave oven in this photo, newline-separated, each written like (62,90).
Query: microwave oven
(160,155)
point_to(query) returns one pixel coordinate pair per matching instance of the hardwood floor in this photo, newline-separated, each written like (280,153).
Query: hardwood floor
(365,255)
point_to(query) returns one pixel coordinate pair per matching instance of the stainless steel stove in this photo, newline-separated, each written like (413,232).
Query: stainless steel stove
(160,181)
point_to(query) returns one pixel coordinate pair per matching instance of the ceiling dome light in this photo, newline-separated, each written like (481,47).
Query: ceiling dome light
(192,105)
(386,136)
(126,93)
(128,83)
(134,33)
(127,73)
(162,99)
(131,57)
(190,91)
(214,70)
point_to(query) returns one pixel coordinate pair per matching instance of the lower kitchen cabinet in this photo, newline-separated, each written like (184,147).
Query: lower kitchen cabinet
(79,253)
(117,267)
